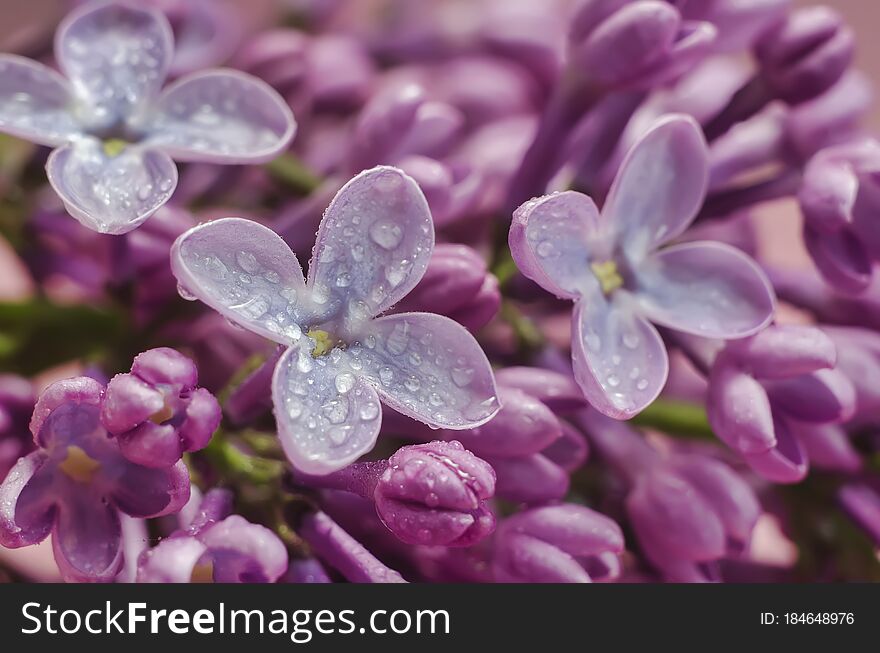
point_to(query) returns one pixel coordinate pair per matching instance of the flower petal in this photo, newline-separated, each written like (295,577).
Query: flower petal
(373,244)
(170,561)
(243,552)
(708,289)
(87,539)
(116,55)
(223,116)
(430,368)
(619,359)
(660,186)
(147,492)
(111,195)
(27,508)
(551,239)
(327,415)
(35,102)
(246,272)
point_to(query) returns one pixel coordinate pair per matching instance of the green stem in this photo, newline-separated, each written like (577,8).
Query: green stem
(290,171)
(677,418)
(233,462)
(527,333)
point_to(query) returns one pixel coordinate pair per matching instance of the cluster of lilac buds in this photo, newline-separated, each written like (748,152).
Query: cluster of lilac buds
(439,291)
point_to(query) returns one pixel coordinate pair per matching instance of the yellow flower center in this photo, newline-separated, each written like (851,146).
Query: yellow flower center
(324,342)
(203,573)
(114,146)
(79,465)
(608,276)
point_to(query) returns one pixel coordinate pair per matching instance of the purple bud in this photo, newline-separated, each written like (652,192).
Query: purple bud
(434,494)
(861,501)
(649,41)
(739,23)
(820,397)
(557,391)
(786,461)
(16,405)
(455,284)
(672,519)
(570,451)
(829,447)
(556,544)
(523,426)
(156,412)
(739,409)
(306,570)
(532,479)
(384,124)
(806,54)
(339,72)
(859,360)
(784,351)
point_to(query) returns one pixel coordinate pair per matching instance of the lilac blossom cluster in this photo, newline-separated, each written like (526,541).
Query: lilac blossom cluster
(539,335)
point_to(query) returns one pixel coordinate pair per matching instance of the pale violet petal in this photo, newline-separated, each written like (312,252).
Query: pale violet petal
(246,272)
(223,116)
(116,55)
(708,289)
(327,415)
(553,239)
(35,102)
(373,244)
(619,359)
(659,187)
(110,194)
(428,367)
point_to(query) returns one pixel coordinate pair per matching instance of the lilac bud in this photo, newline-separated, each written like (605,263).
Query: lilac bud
(532,479)
(819,397)
(859,360)
(16,405)
(455,285)
(739,409)
(806,54)
(861,501)
(786,461)
(339,72)
(783,351)
(279,58)
(306,570)
(557,544)
(557,391)
(829,447)
(434,494)
(384,124)
(522,427)
(570,451)
(156,411)
(739,23)
(649,40)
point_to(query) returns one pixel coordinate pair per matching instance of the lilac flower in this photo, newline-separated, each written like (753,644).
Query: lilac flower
(739,23)
(860,499)
(76,484)
(608,265)
(557,544)
(115,132)
(373,246)
(216,547)
(156,411)
(16,405)
(767,389)
(839,199)
(430,494)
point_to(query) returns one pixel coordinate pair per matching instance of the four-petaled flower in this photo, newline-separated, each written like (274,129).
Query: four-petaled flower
(608,265)
(115,132)
(372,248)
(76,484)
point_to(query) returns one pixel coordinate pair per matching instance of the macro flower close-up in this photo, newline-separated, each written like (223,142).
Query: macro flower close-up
(439,293)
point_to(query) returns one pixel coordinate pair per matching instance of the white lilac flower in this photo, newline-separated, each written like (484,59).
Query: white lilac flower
(372,248)
(114,127)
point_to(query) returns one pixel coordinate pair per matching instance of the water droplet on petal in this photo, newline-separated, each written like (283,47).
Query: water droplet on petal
(344,382)
(462,376)
(386,234)
(184,292)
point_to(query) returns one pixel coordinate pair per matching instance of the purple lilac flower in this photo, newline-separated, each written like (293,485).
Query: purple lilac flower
(373,247)
(156,412)
(16,405)
(557,544)
(610,266)
(765,390)
(431,494)
(76,484)
(216,547)
(115,130)
(860,499)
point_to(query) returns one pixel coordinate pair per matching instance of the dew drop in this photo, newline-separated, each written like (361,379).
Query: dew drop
(545,249)
(344,382)
(184,292)
(385,375)
(462,376)
(642,384)
(412,384)
(386,235)
(335,410)
(339,435)
(247,262)
(369,412)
